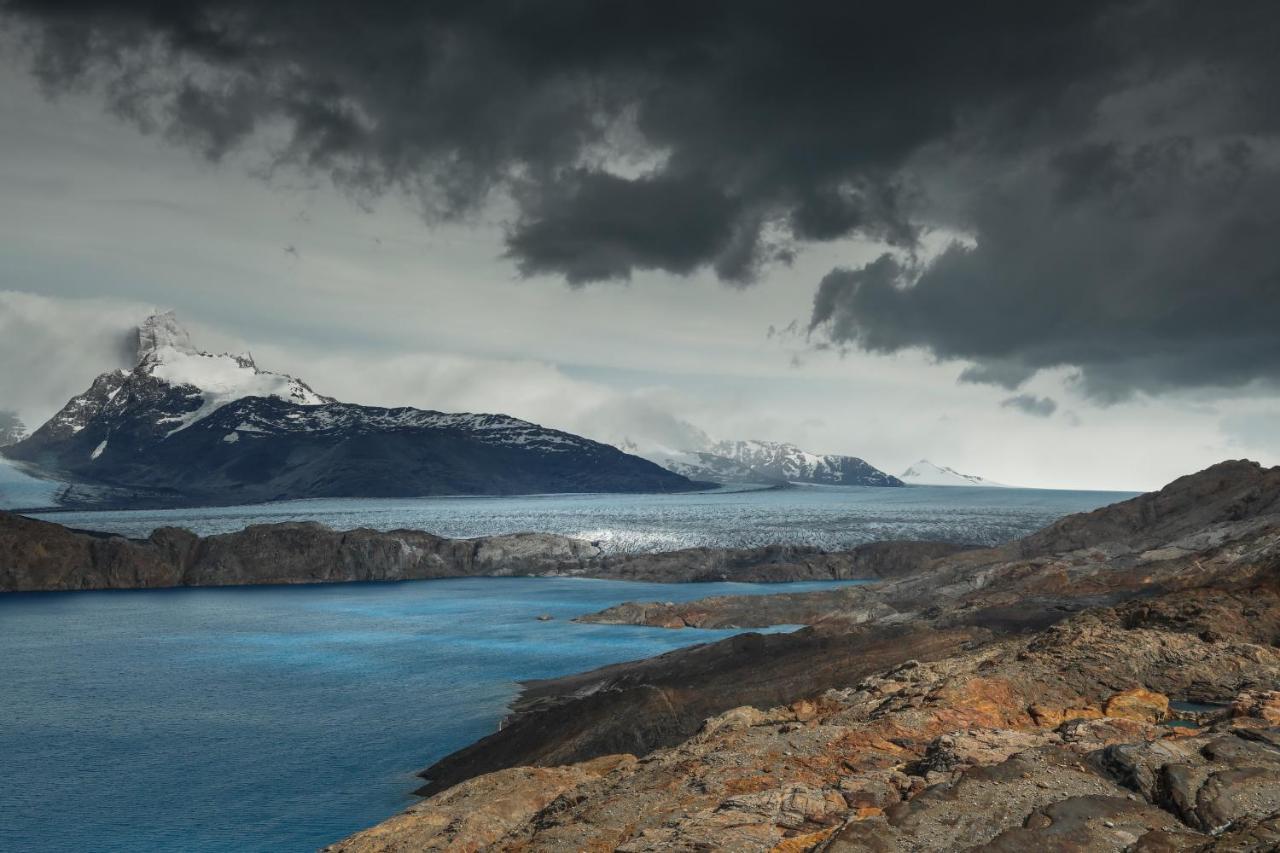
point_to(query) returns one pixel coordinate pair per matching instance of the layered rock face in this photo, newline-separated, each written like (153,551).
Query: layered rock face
(40,556)
(1019,698)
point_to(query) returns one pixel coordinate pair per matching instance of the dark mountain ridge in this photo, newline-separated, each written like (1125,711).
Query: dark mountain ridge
(189,427)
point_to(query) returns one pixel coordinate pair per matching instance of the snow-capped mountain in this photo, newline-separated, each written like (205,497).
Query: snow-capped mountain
(770,462)
(925,473)
(189,426)
(167,361)
(786,462)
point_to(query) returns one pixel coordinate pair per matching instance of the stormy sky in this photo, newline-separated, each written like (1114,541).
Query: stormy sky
(1036,242)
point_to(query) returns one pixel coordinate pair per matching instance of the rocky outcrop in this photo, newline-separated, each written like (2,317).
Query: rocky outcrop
(1192,513)
(778,563)
(1038,742)
(38,555)
(744,611)
(1083,559)
(1144,614)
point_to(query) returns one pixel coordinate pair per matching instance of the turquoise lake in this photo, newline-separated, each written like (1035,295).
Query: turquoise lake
(278,718)
(284,718)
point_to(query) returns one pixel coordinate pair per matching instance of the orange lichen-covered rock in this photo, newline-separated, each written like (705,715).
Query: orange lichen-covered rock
(1138,704)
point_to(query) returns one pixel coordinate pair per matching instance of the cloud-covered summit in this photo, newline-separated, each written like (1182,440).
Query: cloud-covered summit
(1109,169)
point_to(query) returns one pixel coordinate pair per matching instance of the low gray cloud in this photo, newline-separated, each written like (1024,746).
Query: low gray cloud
(1111,165)
(52,349)
(1040,407)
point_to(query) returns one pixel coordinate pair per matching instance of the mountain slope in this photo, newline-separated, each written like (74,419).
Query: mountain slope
(925,473)
(772,462)
(189,426)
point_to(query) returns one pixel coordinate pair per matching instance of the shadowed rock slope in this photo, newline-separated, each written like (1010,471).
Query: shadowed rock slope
(1012,698)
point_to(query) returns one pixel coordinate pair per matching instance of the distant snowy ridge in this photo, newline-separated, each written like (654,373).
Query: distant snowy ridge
(769,462)
(925,473)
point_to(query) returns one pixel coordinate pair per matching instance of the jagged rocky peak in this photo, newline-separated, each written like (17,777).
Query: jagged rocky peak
(163,331)
(165,352)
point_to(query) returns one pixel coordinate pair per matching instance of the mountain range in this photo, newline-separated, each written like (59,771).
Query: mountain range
(187,426)
(769,462)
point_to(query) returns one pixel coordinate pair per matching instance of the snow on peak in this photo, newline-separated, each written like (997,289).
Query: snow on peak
(926,473)
(165,352)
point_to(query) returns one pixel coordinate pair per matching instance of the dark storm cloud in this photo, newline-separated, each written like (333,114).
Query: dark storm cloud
(1149,267)
(591,226)
(1030,404)
(1110,164)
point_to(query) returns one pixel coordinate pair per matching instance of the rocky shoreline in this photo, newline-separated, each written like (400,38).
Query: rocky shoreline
(1110,683)
(42,556)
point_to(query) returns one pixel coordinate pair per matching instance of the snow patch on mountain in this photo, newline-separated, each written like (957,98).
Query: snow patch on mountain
(926,473)
(165,352)
(222,379)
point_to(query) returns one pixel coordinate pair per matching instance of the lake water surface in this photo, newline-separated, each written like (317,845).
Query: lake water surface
(273,718)
(283,718)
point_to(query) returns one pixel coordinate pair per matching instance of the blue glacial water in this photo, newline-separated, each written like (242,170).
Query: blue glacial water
(283,718)
(826,516)
(273,718)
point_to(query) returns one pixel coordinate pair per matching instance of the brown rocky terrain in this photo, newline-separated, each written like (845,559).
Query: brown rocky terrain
(38,555)
(1028,697)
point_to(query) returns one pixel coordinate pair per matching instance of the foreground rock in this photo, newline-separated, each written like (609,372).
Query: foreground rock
(37,555)
(1054,740)
(1183,563)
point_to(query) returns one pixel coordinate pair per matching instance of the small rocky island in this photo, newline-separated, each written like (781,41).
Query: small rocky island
(1109,683)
